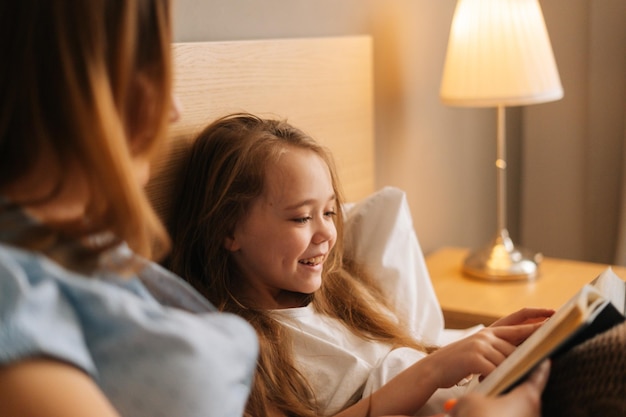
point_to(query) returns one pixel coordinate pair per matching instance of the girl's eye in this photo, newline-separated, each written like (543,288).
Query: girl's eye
(302,220)
(331,213)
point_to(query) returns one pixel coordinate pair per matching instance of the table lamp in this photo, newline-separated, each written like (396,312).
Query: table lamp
(499,55)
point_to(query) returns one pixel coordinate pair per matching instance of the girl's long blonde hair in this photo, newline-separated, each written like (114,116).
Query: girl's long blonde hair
(80,81)
(224,173)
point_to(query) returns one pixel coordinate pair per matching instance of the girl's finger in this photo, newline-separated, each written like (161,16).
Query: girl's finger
(525,315)
(515,334)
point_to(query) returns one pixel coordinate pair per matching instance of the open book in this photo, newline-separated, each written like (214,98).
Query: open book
(597,307)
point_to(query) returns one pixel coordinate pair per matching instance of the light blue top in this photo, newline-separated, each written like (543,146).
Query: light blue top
(151,342)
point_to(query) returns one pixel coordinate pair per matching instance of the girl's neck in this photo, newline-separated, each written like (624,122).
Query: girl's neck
(280,300)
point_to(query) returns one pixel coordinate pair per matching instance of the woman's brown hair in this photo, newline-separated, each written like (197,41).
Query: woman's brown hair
(81,81)
(224,173)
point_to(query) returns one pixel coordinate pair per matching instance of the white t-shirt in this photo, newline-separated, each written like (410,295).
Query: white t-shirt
(342,367)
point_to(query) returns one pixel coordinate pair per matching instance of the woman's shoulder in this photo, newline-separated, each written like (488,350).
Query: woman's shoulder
(36,318)
(123,333)
(20,266)
(36,291)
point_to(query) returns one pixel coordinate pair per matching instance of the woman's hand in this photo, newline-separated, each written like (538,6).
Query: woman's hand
(523,401)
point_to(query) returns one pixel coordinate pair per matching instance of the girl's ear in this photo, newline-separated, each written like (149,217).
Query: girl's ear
(231,244)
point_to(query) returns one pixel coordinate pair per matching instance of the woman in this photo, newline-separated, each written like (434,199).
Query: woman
(88,325)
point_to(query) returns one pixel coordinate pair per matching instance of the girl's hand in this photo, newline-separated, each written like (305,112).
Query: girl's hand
(479,353)
(525,316)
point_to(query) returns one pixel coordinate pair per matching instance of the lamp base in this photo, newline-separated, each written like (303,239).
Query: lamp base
(502,261)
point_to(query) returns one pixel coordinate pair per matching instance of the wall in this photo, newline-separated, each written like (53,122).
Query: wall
(573,154)
(441,156)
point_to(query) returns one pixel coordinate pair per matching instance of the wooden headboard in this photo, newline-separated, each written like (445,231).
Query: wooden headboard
(324,86)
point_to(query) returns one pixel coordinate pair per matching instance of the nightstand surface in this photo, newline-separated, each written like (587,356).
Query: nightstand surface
(468,301)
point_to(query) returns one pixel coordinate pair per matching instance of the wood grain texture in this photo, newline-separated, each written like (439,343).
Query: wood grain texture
(324,86)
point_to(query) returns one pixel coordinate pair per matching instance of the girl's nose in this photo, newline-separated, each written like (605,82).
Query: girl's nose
(326,230)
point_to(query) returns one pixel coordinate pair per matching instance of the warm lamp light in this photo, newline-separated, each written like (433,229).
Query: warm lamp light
(499,55)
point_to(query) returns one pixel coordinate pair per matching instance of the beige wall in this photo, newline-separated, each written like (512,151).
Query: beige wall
(574,149)
(441,156)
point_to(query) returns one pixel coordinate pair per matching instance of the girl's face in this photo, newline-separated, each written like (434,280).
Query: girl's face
(282,244)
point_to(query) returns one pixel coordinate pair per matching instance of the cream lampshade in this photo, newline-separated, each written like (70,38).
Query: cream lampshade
(499,55)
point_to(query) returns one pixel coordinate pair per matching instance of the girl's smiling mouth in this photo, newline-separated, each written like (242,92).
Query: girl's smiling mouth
(312,261)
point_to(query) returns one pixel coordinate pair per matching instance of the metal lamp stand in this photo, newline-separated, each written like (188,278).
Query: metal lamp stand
(500,260)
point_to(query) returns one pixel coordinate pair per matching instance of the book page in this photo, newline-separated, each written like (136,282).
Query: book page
(612,287)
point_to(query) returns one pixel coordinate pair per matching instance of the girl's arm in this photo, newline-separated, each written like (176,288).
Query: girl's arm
(50,388)
(479,354)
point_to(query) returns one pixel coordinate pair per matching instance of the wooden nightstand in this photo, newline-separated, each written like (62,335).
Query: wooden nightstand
(468,301)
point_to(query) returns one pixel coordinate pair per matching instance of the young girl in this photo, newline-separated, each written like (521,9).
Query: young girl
(258,230)
(89,326)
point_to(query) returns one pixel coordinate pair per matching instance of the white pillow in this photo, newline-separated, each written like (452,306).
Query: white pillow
(379,234)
